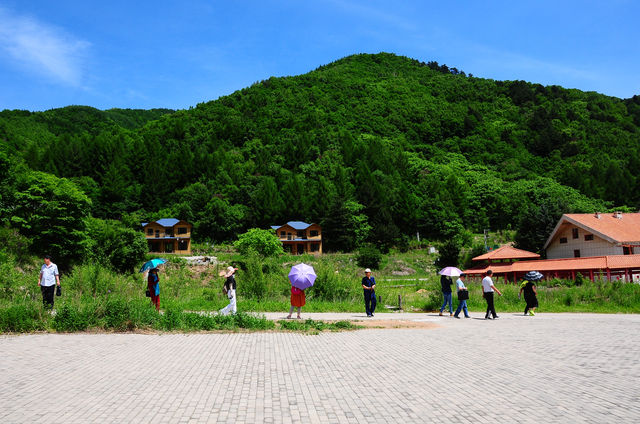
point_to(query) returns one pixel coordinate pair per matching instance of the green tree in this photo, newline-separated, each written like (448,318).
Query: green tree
(263,242)
(112,244)
(52,211)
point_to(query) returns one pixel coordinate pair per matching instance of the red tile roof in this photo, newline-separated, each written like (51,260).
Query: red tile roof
(624,230)
(572,264)
(506,252)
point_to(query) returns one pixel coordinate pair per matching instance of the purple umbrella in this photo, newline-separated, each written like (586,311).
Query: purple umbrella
(302,276)
(451,271)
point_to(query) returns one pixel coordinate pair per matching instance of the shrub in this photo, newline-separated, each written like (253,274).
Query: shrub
(253,281)
(434,300)
(369,257)
(115,245)
(330,286)
(69,319)
(22,318)
(117,314)
(263,242)
(172,319)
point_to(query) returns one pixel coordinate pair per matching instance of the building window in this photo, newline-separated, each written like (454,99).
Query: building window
(563,240)
(313,233)
(182,230)
(183,245)
(289,236)
(301,235)
(283,234)
(574,232)
(626,250)
(588,237)
(315,247)
(149,231)
(576,253)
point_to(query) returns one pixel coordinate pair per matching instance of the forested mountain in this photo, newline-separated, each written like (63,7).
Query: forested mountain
(373,147)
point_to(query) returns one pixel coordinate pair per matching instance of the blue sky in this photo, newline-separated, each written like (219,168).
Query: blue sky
(176,54)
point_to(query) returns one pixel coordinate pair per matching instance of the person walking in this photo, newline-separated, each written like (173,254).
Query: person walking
(530,296)
(445,283)
(369,287)
(487,292)
(230,289)
(153,285)
(298,300)
(463,295)
(47,280)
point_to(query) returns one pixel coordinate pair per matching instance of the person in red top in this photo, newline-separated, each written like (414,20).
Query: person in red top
(153,284)
(298,300)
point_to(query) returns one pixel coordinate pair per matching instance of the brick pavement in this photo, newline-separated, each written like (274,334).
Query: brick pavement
(552,368)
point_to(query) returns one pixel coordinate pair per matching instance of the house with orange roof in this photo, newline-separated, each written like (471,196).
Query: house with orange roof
(599,234)
(605,246)
(506,253)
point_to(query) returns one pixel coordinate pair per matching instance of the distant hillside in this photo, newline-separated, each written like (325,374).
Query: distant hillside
(402,145)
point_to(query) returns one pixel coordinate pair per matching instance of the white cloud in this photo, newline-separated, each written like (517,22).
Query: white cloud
(42,48)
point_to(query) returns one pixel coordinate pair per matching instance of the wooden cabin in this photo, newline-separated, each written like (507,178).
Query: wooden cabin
(168,235)
(298,237)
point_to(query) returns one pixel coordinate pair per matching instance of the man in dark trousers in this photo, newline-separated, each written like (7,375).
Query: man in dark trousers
(445,285)
(487,289)
(369,286)
(47,280)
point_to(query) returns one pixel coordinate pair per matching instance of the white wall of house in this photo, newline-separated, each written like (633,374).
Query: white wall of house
(595,247)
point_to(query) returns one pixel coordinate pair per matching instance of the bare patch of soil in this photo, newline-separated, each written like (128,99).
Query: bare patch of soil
(395,324)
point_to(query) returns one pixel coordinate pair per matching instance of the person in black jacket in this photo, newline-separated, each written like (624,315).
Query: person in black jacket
(445,283)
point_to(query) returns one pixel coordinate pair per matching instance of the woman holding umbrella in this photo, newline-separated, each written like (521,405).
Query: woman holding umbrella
(301,277)
(298,300)
(153,285)
(530,292)
(153,281)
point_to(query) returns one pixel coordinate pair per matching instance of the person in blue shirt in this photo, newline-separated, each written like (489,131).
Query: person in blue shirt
(462,304)
(369,287)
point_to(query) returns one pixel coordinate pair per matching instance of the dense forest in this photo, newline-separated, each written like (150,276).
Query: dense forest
(374,147)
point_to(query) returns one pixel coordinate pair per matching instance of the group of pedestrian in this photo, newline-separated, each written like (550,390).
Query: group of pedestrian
(447,294)
(488,290)
(49,277)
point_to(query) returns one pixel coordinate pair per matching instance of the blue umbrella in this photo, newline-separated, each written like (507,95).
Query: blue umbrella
(533,276)
(302,276)
(153,263)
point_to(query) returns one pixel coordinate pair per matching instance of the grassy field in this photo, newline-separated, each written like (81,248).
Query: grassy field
(96,298)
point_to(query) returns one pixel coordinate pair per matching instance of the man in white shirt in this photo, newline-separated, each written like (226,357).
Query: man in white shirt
(49,277)
(487,289)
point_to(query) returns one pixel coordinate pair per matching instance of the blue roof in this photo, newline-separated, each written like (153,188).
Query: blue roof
(296,225)
(168,222)
(299,225)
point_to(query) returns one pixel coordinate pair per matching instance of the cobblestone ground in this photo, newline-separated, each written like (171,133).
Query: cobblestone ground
(551,368)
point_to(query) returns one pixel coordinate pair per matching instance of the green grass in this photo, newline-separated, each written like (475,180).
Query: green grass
(95,298)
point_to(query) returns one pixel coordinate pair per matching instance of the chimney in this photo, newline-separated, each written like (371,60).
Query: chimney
(617,215)
(597,215)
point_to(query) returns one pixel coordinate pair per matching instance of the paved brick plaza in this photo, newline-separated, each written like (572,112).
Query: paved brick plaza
(566,368)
